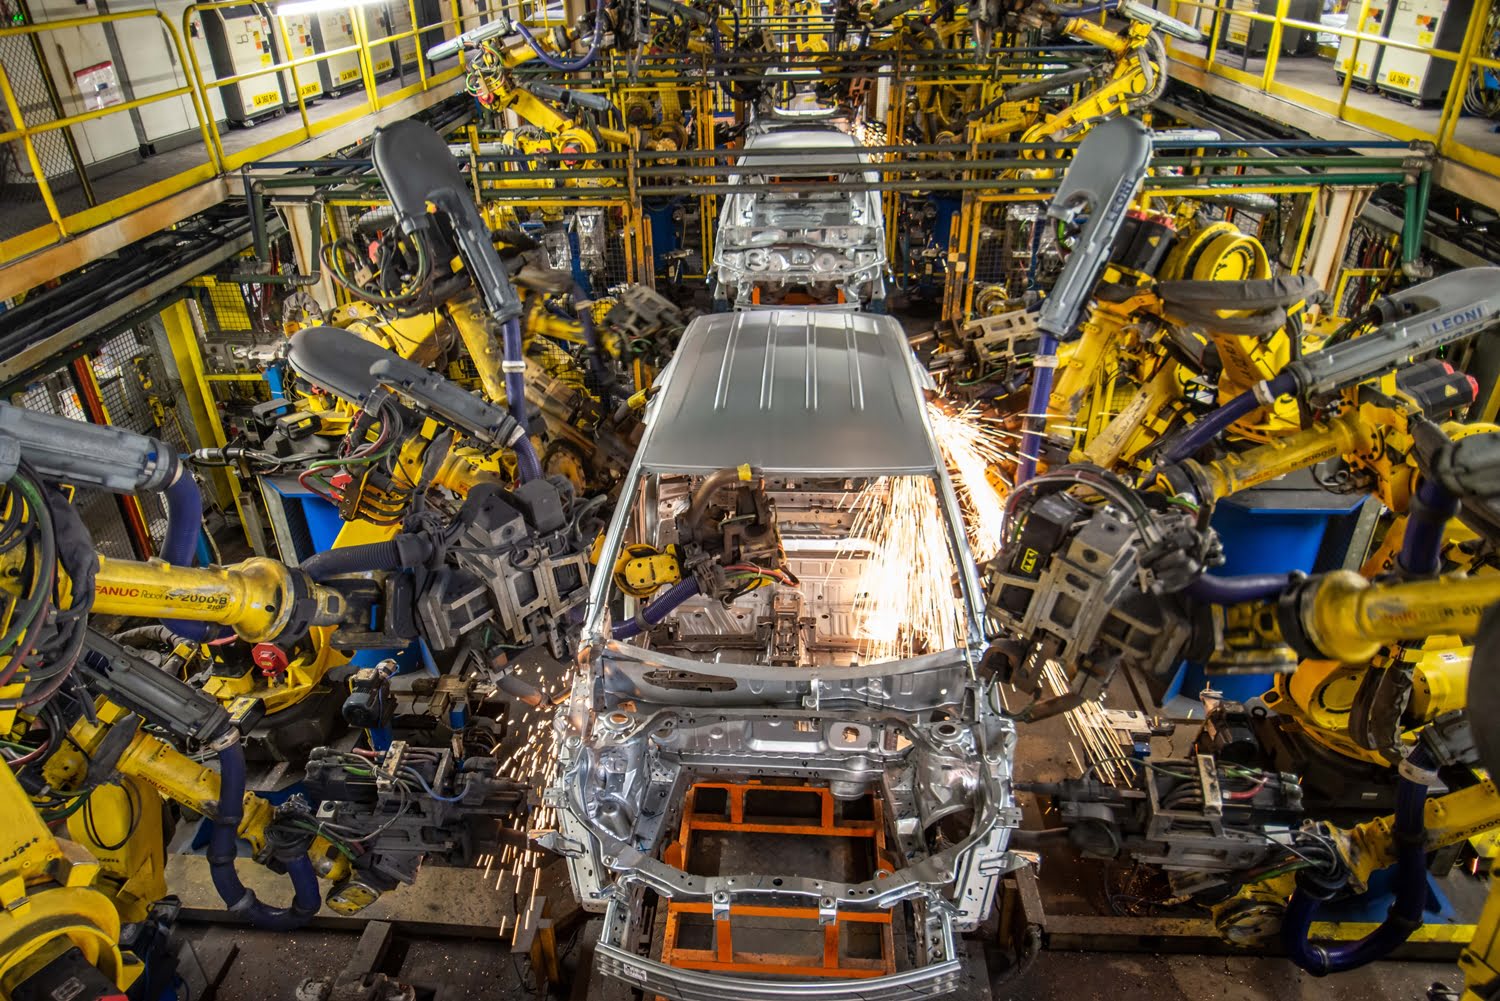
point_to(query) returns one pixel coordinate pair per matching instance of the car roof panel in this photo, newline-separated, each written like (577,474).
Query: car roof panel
(791,391)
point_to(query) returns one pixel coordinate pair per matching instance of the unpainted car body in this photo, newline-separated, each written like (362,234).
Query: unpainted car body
(817,404)
(826,245)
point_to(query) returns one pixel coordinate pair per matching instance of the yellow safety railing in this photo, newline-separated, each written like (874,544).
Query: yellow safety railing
(1442,130)
(201,82)
(61,227)
(361,47)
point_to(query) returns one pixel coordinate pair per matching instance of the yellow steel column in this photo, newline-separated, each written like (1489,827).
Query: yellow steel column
(1304,232)
(708,205)
(286,46)
(182,341)
(1273,52)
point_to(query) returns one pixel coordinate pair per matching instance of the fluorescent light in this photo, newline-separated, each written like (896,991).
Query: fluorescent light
(315,6)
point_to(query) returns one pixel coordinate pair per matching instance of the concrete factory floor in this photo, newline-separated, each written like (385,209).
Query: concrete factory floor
(270,966)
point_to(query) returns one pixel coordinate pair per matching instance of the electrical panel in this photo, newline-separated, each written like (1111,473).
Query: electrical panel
(334,30)
(382,20)
(294,33)
(1375,23)
(239,39)
(1431,24)
(152,64)
(1254,37)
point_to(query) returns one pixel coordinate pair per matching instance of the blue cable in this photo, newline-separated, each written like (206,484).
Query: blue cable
(582,61)
(428,789)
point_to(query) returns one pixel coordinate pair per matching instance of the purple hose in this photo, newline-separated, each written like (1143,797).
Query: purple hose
(657,610)
(184,505)
(515,398)
(223,849)
(1406,912)
(1035,426)
(561,65)
(1422,545)
(1090,11)
(1237,590)
(1215,423)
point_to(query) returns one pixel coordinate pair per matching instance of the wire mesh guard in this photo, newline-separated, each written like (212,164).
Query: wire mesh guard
(133,393)
(21,205)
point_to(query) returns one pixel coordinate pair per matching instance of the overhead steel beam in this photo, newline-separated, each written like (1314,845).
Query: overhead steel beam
(1448,174)
(39,355)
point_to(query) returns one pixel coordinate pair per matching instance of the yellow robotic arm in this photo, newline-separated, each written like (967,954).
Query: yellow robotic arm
(261,599)
(1136,79)
(56,926)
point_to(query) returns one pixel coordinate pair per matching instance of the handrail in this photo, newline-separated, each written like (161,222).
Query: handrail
(1470,55)
(1359,36)
(928,67)
(197,89)
(25,132)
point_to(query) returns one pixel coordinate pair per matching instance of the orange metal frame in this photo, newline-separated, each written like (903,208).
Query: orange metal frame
(722,958)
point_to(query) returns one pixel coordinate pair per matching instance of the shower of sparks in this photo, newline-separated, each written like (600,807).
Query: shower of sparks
(904,602)
(1093,731)
(517,870)
(970,444)
(870,133)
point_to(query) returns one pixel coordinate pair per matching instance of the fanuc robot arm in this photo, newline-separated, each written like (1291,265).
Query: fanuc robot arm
(1099,574)
(1124,546)
(73,681)
(1134,76)
(1105,174)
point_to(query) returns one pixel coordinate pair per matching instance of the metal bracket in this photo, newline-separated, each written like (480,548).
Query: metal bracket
(558,844)
(828,911)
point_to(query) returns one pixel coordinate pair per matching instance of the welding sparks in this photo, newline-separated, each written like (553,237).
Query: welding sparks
(535,763)
(970,445)
(904,604)
(1089,725)
(870,133)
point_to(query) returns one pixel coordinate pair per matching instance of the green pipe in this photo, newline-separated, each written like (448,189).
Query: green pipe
(315,223)
(966,184)
(1415,219)
(1359,178)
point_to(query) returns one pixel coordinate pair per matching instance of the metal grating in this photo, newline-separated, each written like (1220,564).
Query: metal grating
(20,196)
(132,386)
(224,306)
(1003,255)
